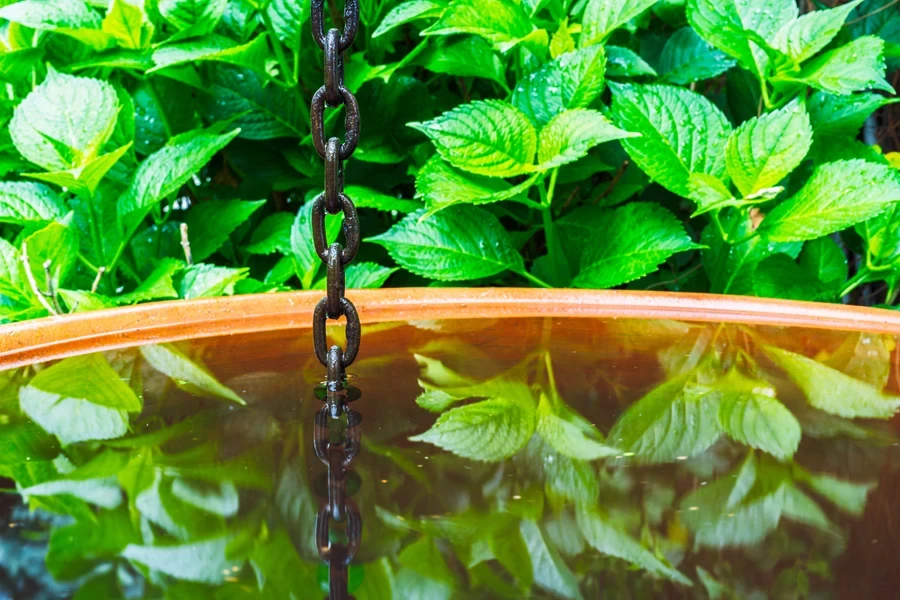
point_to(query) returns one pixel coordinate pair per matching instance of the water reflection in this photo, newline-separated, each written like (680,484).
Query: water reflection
(499,459)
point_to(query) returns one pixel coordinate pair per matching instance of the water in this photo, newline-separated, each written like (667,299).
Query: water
(556,458)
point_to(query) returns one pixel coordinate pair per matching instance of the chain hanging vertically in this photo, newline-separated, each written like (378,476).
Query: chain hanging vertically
(336,435)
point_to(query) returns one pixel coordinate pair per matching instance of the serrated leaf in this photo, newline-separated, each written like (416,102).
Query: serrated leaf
(852,67)
(23,202)
(572,80)
(849,496)
(435,400)
(214,48)
(288,18)
(368,275)
(622,62)
(442,186)
(211,223)
(801,38)
(128,24)
(681,133)
(82,301)
(365,197)
(302,248)
(834,115)
(548,567)
(825,259)
(836,196)
(157,285)
(56,246)
(636,238)
(609,539)
(273,234)
(570,134)
(569,434)
(209,281)
(832,391)
(83,179)
(749,413)
(78,113)
(502,22)
(433,247)
(464,56)
(186,373)
(687,58)
(602,17)
(763,151)
(710,193)
(778,276)
(198,16)
(407,12)
(490,430)
(202,561)
(36,14)
(562,41)
(487,137)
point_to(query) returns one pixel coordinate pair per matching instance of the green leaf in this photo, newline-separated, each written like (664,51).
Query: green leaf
(602,17)
(549,569)
(687,58)
(749,413)
(435,400)
(511,551)
(220,498)
(675,421)
(157,285)
(572,80)
(214,48)
(882,236)
(838,115)
(80,399)
(211,223)
(801,38)
(273,234)
(569,434)
(681,133)
(262,111)
(407,12)
(836,196)
(198,16)
(711,193)
(846,495)
(81,301)
(166,170)
(424,557)
(303,252)
(609,539)
(779,276)
(465,56)
(764,150)
(286,574)
(203,561)
(502,22)
(490,430)
(825,259)
(853,67)
(74,550)
(570,134)
(433,247)
(442,186)
(562,41)
(832,391)
(364,197)
(56,246)
(209,281)
(37,14)
(288,17)
(65,121)
(635,239)
(622,62)
(23,202)
(368,275)
(486,137)
(188,374)
(128,24)
(85,178)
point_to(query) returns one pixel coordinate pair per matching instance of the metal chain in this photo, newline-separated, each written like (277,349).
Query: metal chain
(336,442)
(336,435)
(333,200)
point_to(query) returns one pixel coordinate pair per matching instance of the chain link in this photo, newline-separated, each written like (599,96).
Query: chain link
(336,437)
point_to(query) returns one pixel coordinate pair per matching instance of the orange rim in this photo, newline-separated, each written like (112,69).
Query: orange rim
(57,337)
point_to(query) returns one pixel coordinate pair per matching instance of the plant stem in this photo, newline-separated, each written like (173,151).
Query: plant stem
(286,69)
(32,282)
(855,281)
(534,279)
(547,216)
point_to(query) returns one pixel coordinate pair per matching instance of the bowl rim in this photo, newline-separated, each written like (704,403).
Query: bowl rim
(56,337)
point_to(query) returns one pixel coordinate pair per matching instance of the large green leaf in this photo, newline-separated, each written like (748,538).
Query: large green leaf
(502,22)
(832,391)
(37,14)
(442,186)
(189,374)
(209,281)
(602,17)
(833,114)
(570,134)
(687,58)
(853,67)
(22,202)
(51,251)
(288,18)
(214,48)
(764,150)
(211,223)
(569,433)
(204,561)
(801,38)
(409,11)
(198,16)
(634,240)
(456,244)
(489,430)
(837,195)
(549,569)
(681,133)
(65,121)
(572,80)
(128,24)
(464,56)
(487,137)
(302,248)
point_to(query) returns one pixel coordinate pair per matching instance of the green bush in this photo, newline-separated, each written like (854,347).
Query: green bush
(705,146)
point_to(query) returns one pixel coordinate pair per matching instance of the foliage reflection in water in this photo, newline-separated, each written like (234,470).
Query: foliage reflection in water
(528,458)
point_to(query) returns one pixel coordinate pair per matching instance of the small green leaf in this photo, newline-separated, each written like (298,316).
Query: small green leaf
(214,48)
(778,276)
(675,421)
(303,251)
(849,496)
(562,41)
(681,133)
(198,16)
(55,246)
(622,62)
(853,67)
(836,196)
(407,12)
(710,193)
(211,223)
(433,247)
(486,137)
(209,281)
(368,275)
(128,24)
(825,259)
(38,14)
(490,430)
(465,56)
(842,115)
(833,392)
(602,17)
(750,413)
(85,178)
(436,401)
(156,286)
(288,19)
(273,234)
(219,498)
(442,186)
(203,561)
(635,239)
(570,134)
(687,58)
(763,151)
(502,22)
(569,434)
(801,38)
(82,301)
(23,202)
(550,570)
(188,374)
(364,197)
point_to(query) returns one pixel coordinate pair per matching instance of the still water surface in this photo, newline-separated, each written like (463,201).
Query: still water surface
(526,458)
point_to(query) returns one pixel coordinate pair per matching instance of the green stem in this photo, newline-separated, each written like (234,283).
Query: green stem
(87,263)
(765,93)
(855,281)
(286,69)
(533,279)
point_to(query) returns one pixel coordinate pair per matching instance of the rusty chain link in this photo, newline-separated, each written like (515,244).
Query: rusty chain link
(336,434)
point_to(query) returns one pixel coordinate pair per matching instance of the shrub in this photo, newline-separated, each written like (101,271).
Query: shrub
(705,146)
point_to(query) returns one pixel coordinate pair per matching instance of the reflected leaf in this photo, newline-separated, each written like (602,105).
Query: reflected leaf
(565,479)
(846,495)
(191,375)
(550,571)
(863,356)
(424,558)
(569,433)
(378,581)
(435,400)
(220,498)
(282,572)
(102,492)
(202,561)
(76,549)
